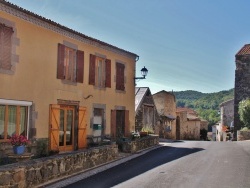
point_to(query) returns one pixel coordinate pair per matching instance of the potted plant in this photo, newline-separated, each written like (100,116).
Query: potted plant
(19,142)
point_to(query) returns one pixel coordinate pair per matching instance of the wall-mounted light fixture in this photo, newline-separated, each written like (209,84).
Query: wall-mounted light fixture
(144,72)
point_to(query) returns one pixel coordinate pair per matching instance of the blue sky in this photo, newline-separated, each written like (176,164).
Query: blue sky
(185,44)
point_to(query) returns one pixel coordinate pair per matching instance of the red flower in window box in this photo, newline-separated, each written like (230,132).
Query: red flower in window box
(19,140)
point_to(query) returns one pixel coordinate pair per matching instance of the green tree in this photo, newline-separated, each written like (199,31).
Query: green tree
(244,112)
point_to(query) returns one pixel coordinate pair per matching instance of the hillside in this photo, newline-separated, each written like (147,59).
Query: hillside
(206,104)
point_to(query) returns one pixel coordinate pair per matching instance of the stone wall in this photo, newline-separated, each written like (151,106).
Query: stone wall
(38,171)
(242,88)
(140,144)
(243,135)
(227,112)
(165,103)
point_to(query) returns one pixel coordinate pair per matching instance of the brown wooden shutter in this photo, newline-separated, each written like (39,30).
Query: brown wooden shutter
(82,128)
(80,66)
(6,33)
(60,61)
(92,69)
(54,122)
(113,124)
(127,125)
(120,78)
(122,82)
(118,75)
(108,73)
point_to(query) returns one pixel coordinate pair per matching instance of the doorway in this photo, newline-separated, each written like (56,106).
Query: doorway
(68,128)
(178,129)
(120,124)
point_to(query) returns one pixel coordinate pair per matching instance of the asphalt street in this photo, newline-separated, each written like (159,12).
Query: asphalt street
(180,164)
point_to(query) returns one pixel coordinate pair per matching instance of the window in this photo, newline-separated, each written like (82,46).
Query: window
(120,78)
(66,126)
(70,64)
(148,115)
(13,120)
(5,46)
(99,72)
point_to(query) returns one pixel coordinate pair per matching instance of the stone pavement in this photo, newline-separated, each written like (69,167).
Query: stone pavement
(122,157)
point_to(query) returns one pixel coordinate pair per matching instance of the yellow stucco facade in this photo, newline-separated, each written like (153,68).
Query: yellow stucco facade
(33,77)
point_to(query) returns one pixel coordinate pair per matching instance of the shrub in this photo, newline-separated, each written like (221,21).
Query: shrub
(245,129)
(244,112)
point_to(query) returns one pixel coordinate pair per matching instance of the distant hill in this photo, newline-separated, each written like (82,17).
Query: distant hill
(206,104)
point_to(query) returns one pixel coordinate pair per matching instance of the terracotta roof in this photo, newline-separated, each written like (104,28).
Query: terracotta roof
(64,27)
(163,91)
(188,110)
(192,118)
(245,50)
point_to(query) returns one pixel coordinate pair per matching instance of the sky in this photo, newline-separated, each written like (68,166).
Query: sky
(184,44)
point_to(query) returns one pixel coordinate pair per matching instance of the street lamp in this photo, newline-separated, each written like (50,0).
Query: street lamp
(144,72)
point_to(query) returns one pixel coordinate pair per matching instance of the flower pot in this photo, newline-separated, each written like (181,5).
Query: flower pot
(19,150)
(143,134)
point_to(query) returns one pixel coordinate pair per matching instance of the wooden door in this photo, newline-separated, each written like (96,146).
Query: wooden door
(61,127)
(66,128)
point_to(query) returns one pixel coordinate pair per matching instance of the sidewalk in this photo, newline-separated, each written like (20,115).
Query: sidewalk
(122,157)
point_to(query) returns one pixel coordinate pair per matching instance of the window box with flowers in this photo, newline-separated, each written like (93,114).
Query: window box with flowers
(19,142)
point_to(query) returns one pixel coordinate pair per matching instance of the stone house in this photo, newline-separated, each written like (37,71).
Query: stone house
(226,119)
(189,123)
(59,86)
(227,112)
(165,103)
(146,115)
(242,80)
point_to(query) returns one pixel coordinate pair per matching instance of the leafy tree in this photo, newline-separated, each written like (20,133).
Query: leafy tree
(205,104)
(244,112)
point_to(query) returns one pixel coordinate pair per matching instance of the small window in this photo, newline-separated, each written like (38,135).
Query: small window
(13,120)
(99,72)
(5,46)
(70,64)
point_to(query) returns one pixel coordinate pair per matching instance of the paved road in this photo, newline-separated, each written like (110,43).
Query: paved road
(180,164)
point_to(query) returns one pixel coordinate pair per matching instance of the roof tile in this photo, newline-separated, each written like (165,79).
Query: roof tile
(245,50)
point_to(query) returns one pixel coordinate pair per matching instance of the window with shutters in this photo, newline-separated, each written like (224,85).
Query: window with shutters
(13,118)
(70,64)
(99,72)
(5,46)
(120,78)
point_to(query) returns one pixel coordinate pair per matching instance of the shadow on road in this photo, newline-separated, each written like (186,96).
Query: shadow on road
(135,167)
